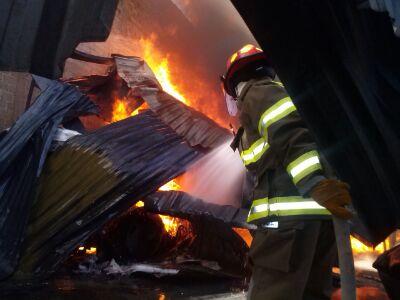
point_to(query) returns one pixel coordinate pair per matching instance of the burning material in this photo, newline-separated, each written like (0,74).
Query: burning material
(171,224)
(360,248)
(139,204)
(170,186)
(121,110)
(91,251)
(161,67)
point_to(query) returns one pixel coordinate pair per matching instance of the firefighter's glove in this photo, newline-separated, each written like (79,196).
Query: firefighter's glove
(333,195)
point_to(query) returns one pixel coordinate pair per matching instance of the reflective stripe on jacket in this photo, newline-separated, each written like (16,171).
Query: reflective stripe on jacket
(276,146)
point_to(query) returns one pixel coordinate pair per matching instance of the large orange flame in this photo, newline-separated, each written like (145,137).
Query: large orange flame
(160,65)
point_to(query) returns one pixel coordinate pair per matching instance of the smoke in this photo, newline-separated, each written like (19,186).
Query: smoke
(221,31)
(217,178)
(221,27)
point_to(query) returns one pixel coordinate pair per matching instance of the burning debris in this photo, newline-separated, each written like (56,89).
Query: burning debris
(86,194)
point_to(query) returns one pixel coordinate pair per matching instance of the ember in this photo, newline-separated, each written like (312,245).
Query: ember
(91,251)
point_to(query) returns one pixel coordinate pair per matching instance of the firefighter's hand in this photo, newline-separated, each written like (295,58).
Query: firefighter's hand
(333,195)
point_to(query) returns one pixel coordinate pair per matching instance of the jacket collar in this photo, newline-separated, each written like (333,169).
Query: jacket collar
(248,85)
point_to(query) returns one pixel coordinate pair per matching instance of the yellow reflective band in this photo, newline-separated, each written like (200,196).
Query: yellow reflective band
(275,113)
(304,166)
(294,205)
(285,206)
(255,151)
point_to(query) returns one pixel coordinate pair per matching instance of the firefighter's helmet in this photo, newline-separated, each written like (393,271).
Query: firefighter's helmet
(238,61)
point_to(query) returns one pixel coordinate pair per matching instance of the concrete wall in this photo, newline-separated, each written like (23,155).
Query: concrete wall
(14,89)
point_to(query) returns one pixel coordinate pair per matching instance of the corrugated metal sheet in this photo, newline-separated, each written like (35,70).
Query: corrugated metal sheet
(181,204)
(95,177)
(23,151)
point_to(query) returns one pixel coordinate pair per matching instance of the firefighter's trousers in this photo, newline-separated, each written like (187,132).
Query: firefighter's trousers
(293,262)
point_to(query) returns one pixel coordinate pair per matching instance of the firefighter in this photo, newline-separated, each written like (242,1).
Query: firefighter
(293,196)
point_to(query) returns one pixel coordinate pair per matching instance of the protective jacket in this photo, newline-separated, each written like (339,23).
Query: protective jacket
(278,149)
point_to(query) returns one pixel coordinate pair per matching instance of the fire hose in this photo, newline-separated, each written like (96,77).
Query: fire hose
(346,260)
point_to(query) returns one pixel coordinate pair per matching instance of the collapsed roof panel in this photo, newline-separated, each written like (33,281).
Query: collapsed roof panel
(23,151)
(96,176)
(340,65)
(131,79)
(181,204)
(195,127)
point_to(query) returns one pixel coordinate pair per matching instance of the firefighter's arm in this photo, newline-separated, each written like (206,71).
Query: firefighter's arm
(274,115)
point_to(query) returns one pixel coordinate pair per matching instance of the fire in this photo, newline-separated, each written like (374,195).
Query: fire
(139,204)
(360,248)
(171,224)
(91,251)
(160,65)
(121,110)
(170,186)
(357,246)
(183,83)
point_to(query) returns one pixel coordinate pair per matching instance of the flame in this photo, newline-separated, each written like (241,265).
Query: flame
(360,248)
(139,204)
(357,246)
(160,65)
(171,224)
(176,79)
(120,110)
(91,251)
(170,186)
